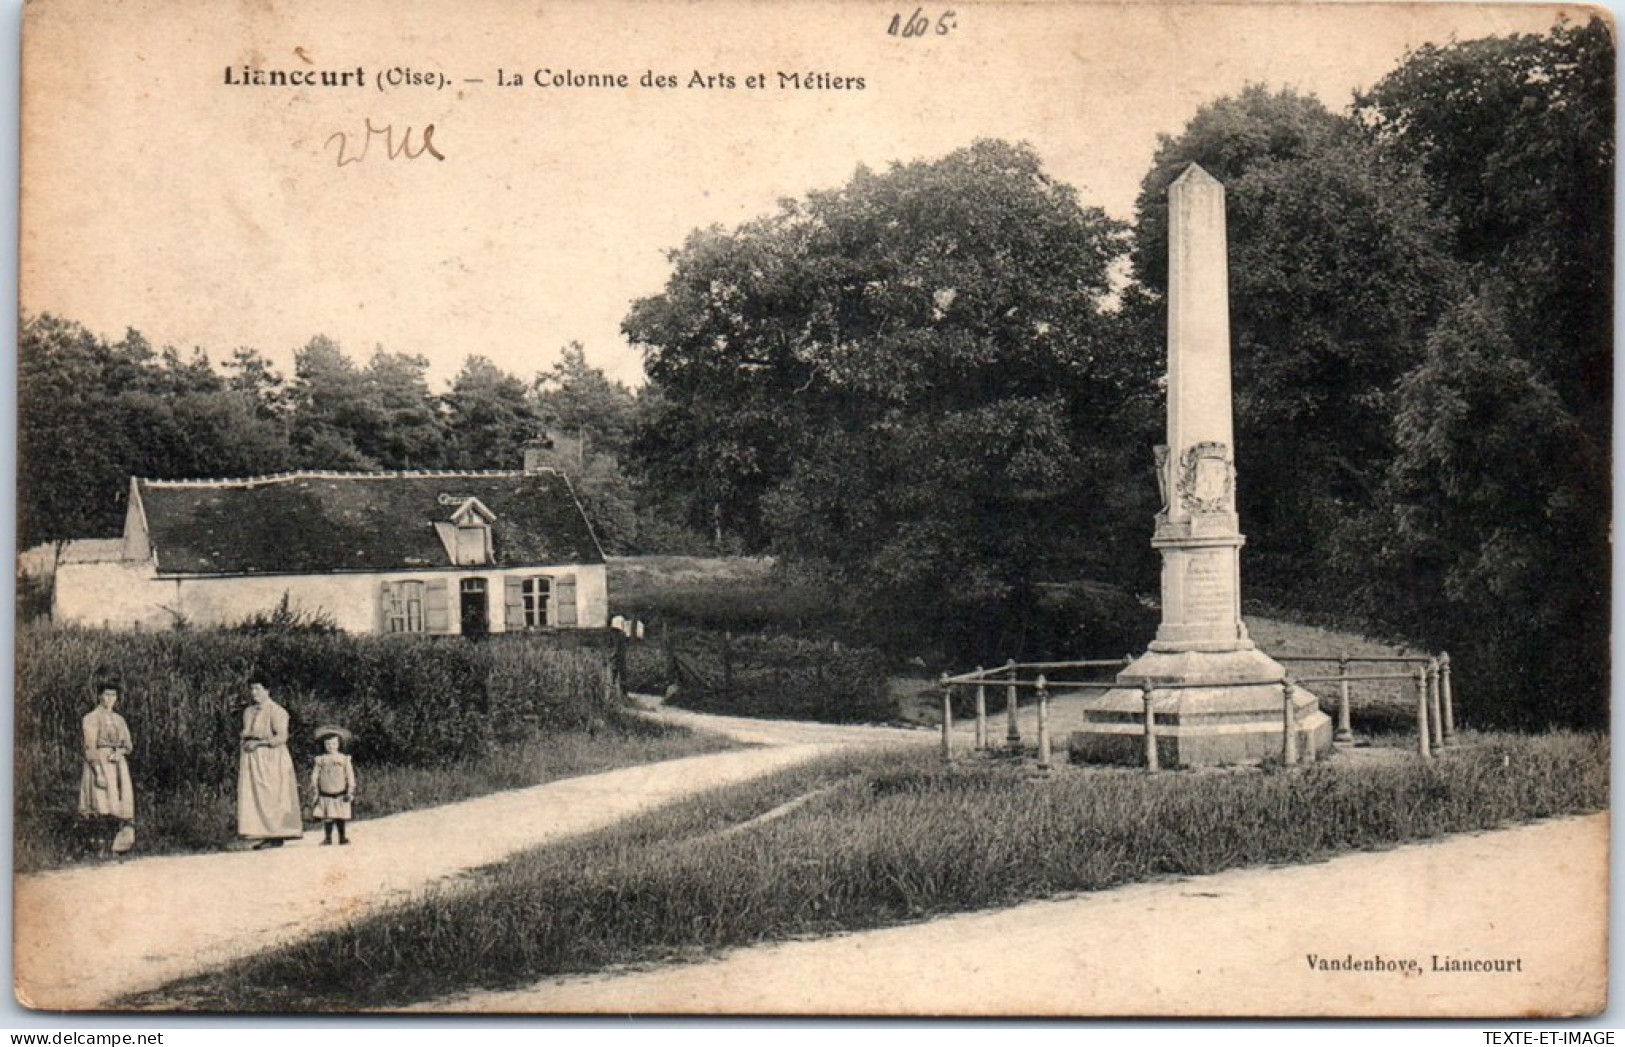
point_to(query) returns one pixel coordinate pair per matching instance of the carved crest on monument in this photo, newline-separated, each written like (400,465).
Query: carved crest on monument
(1207,478)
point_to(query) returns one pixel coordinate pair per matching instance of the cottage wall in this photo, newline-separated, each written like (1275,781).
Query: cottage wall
(111,594)
(124,595)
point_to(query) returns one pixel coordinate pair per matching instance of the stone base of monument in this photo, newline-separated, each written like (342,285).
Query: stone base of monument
(1209,720)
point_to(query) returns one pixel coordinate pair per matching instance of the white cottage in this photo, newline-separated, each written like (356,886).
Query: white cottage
(433,552)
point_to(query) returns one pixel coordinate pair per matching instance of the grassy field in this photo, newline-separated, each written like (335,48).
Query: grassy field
(632,578)
(883,838)
(738,593)
(739,637)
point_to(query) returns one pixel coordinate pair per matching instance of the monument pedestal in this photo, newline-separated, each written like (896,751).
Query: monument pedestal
(1209,719)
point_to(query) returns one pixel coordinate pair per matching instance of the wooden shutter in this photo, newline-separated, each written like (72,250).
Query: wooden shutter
(386,596)
(564,600)
(436,617)
(514,599)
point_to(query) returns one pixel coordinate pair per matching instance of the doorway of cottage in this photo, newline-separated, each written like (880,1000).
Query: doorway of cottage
(475,607)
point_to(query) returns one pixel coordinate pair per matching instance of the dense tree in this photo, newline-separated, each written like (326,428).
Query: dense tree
(580,399)
(70,468)
(909,379)
(1501,485)
(489,417)
(1516,137)
(330,406)
(91,414)
(95,413)
(408,431)
(252,375)
(583,406)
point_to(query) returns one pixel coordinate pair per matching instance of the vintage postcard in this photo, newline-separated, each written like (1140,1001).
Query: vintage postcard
(814,508)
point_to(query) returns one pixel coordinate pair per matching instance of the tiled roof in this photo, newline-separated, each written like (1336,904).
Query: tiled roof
(313,523)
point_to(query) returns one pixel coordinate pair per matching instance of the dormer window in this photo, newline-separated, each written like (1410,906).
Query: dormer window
(467,535)
(473,544)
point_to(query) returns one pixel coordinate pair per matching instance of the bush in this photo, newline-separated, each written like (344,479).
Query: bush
(284,618)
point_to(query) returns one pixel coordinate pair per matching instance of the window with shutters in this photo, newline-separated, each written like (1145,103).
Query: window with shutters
(540,601)
(403,607)
(533,595)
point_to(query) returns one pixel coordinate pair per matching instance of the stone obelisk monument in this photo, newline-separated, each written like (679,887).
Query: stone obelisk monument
(1216,698)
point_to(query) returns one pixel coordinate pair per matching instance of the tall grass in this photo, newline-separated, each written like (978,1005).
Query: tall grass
(898,836)
(413,703)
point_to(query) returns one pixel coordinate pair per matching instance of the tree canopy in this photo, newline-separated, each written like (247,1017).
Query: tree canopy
(93,413)
(1499,492)
(910,380)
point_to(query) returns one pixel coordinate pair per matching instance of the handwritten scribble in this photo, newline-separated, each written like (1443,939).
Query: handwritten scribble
(394,150)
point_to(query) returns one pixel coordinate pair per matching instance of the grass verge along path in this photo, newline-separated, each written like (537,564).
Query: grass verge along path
(1233,944)
(889,837)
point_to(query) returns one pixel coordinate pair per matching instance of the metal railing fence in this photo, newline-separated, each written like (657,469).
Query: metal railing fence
(1430,675)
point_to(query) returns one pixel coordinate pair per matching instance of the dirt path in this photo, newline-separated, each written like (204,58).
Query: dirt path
(1237,943)
(83,937)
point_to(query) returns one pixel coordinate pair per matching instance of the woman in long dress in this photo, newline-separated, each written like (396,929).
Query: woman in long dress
(267,792)
(105,792)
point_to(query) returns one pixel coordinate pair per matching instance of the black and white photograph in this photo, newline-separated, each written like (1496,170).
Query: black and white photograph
(813,509)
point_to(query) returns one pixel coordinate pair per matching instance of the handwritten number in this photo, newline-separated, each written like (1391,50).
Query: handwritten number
(920,24)
(915,25)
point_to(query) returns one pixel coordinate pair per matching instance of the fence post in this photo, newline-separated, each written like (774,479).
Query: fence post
(1012,733)
(947,720)
(1444,687)
(1345,726)
(1150,727)
(1289,724)
(1043,724)
(1422,714)
(618,644)
(1434,713)
(981,712)
(728,668)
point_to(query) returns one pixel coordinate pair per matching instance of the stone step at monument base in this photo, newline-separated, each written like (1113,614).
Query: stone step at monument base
(1214,723)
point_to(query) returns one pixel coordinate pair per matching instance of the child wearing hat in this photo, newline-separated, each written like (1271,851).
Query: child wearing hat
(332,779)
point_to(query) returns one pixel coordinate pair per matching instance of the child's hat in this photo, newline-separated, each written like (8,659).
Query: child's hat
(340,733)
